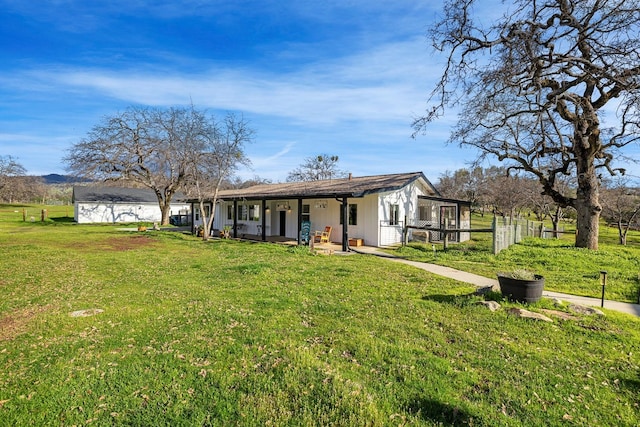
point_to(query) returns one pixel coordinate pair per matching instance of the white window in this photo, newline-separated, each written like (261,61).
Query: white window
(352,213)
(243,212)
(394,214)
(254,212)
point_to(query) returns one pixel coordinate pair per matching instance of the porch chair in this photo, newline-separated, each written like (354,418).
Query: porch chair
(323,236)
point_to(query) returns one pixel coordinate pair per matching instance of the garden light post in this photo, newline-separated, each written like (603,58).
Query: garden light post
(603,281)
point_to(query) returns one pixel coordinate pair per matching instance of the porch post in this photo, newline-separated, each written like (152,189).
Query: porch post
(264,220)
(235,219)
(345,225)
(299,221)
(193,218)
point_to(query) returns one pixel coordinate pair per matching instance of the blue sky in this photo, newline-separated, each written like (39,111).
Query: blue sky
(342,77)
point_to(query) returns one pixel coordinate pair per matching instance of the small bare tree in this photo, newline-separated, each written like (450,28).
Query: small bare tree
(465,184)
(218,153)
(620,206)
(24,189)
(9,168)
(322,166)
(533,86)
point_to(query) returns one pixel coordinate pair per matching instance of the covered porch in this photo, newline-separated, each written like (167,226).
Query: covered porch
(323,248)
(284,220)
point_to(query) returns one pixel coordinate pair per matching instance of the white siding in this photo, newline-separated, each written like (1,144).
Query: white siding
(407,201)
(86,213)
(373,214)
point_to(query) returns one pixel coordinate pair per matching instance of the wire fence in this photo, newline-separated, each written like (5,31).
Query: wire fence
(508,231)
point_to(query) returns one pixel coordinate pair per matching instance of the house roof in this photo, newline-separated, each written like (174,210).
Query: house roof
(342,187)
(117,195)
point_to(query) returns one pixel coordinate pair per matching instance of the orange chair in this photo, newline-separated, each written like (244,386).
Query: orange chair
(323,236)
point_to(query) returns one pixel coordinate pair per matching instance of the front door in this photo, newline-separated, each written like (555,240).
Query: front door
(283,223)
(448,220)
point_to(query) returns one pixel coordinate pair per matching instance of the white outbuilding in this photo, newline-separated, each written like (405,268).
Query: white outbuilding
(100,204)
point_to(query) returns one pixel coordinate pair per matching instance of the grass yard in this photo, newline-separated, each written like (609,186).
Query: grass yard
(566,268)
(232,333)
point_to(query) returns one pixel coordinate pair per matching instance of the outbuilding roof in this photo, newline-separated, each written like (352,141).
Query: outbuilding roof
(102,194)
(342,187)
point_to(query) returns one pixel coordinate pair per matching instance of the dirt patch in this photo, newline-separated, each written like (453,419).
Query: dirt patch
(15,323)
(117,244)
(128,243)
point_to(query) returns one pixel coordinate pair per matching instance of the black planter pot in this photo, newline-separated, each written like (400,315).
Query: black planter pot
(522,290)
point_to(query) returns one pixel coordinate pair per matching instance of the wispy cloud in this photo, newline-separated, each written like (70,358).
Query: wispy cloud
(385,84)
(342,77)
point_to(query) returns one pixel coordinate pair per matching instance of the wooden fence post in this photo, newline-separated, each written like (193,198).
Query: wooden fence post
(405,229)
(446,234)
(493,226)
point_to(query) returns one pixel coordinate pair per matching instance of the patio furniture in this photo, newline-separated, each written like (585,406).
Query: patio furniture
(356,241)
(323,236)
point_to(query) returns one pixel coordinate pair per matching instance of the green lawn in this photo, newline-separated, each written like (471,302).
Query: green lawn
(232,333)
(566,268)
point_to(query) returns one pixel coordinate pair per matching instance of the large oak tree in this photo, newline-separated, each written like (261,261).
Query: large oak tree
(159,149)
(533,87)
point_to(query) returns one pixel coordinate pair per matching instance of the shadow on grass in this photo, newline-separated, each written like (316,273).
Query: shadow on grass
(451,299)
(632,384)
(442,413)
(465,299)
(62,220)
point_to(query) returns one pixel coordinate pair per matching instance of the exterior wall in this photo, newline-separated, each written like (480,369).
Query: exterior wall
(407,201)
(465,222)
(322,213)
(373,220)
(86,213)
(431,217)
(249,225)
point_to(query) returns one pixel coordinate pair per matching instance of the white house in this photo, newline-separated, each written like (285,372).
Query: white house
(377,209)
(94,204)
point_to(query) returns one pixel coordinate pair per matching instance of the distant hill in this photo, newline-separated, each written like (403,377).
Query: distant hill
(54,178)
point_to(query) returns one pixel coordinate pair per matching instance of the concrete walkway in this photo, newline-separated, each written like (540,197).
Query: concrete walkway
(483,282)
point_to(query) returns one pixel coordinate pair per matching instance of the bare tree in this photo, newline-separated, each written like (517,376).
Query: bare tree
(238,183)
(218,153)
(533,87)
(322,166)
(621,206)
(145,146)
(506,193)
(24,189)
(9,168)
(465,184)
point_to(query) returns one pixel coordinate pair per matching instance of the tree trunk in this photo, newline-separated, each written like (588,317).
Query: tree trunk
(588,210)
(586,144)
(555,220)
(206,228)
(622,232)
(166,212)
